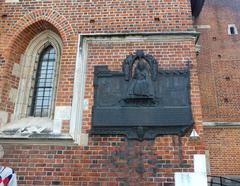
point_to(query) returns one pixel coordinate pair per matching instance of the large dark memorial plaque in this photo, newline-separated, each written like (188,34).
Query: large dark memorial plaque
(142,101)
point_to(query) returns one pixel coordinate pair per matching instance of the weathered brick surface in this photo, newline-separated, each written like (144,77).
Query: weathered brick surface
(106,161)
(219,61)
(22,21)
(223,145)
(114,160)
(218,70)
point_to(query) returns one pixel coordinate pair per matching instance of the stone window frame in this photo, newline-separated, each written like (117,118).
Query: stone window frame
(235,29)
(28,63)
(22,126)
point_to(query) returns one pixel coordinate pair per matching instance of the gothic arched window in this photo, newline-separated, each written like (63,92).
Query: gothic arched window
(44,83)
(39,74)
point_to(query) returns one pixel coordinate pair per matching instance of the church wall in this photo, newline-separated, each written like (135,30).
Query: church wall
(218,70)
(101,160)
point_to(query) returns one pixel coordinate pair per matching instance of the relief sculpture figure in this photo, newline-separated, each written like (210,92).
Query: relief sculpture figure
(141,84)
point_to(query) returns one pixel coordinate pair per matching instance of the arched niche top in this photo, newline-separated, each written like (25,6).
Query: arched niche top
(128,64)
(43,40)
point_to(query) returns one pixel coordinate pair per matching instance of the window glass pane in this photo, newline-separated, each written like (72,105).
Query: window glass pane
(38,103)
(45,102)
(232,30)
(39,94)
(52,56)
(44,58)
(43,83)
(49,75)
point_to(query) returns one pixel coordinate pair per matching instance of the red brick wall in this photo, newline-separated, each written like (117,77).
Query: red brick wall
(223,145)
(114,160)
(24,20)
(218,70)
(106,160)
(18,44)
(219,61)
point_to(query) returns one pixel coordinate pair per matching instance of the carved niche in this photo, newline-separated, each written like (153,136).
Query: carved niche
(142,101)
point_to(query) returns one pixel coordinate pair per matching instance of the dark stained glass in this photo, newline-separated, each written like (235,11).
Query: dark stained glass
(44,83)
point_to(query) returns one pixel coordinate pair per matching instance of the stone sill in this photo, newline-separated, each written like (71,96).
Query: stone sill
(60,139)
(33,130)
(11,1)
(221,124)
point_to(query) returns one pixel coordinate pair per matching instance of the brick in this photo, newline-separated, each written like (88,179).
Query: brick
(111,160)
